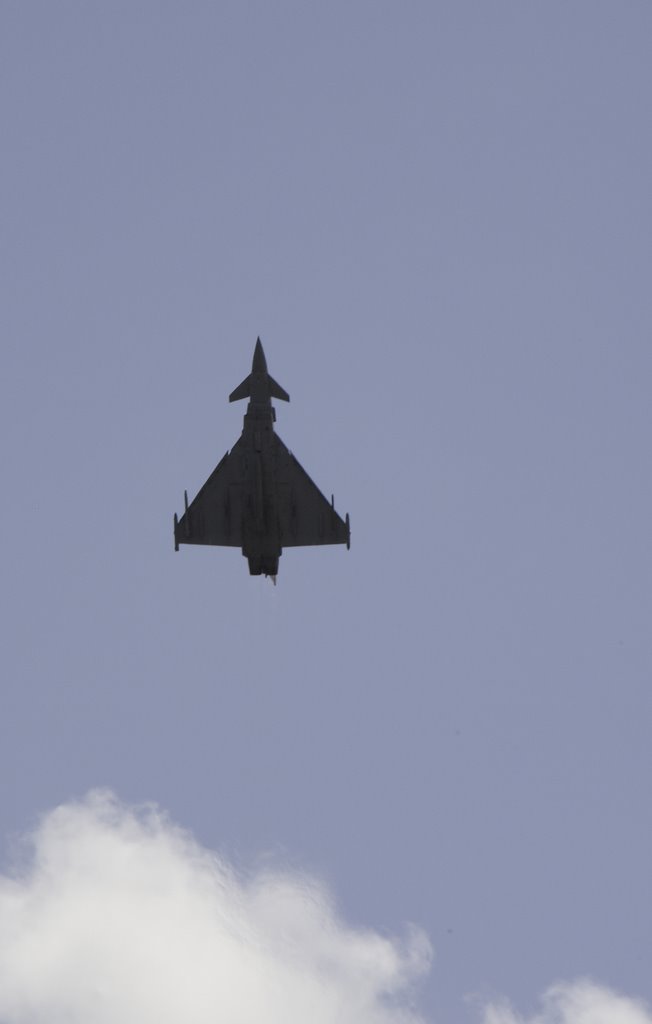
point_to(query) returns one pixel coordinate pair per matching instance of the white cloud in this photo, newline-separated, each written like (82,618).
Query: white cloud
(578,1002)
(120,916)
(117,915)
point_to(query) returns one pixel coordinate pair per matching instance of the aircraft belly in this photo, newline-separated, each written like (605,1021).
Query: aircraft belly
(260,523)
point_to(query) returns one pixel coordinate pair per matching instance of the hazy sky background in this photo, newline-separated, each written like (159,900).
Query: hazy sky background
(438,218)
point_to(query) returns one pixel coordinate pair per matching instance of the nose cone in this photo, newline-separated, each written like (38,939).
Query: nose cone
(259,364)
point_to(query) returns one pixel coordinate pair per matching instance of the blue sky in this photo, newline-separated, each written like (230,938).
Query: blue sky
(437,217)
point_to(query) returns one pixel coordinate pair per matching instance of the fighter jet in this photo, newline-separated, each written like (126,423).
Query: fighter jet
(258,497)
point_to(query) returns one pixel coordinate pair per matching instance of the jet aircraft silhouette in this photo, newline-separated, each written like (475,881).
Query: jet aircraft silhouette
(258,497)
